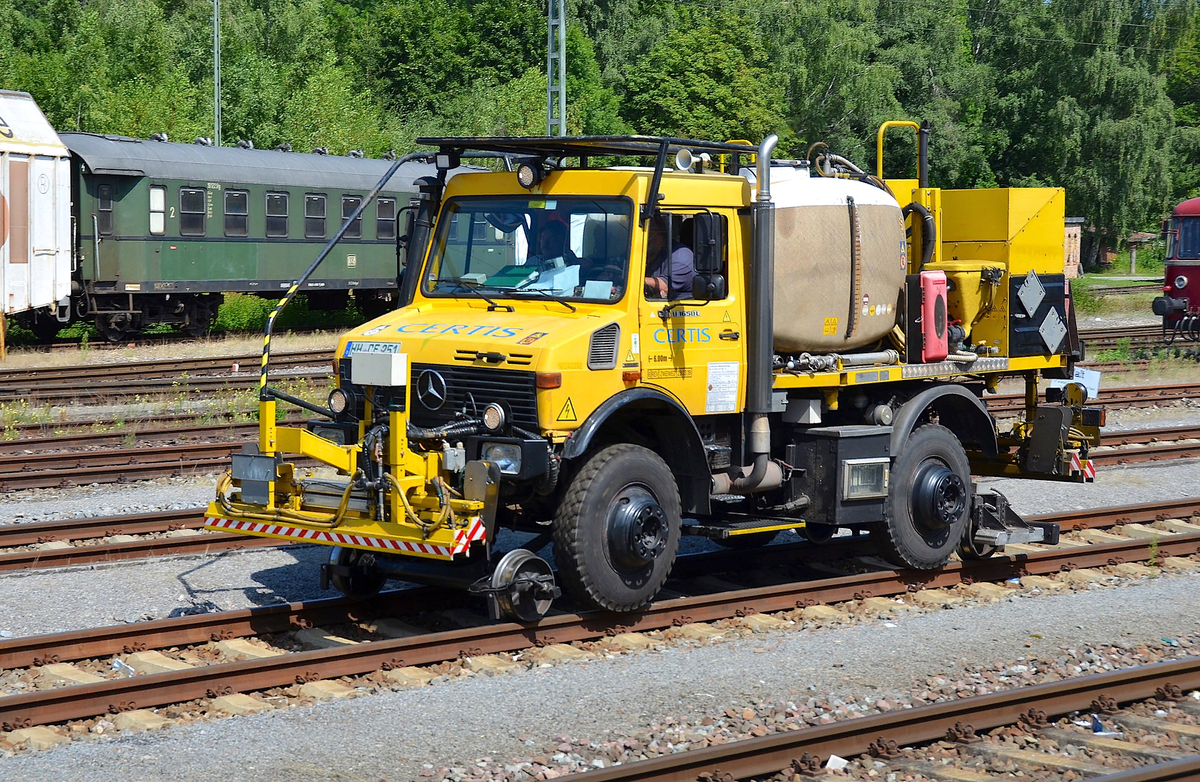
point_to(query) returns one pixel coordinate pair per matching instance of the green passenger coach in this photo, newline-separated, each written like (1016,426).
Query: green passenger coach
(163,229)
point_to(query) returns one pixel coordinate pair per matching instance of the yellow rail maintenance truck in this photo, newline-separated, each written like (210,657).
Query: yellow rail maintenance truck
(713,343)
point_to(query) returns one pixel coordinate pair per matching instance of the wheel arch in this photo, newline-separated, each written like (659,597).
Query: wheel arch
(650,418)
(958,410)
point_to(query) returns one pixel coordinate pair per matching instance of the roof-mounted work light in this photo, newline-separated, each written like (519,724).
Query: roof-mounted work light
(529,174)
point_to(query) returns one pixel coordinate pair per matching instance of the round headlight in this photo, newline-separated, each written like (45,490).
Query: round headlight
(493,417)
(339,401)
(1181,282)
(528,175)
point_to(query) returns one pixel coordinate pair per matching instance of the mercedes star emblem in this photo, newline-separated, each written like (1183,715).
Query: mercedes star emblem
(431,389)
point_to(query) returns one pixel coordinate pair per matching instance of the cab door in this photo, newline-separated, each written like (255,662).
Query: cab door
(694,350)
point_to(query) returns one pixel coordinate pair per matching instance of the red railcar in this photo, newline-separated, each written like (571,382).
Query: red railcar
(1179,306)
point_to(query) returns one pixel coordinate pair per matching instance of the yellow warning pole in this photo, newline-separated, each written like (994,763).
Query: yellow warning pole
(3,329)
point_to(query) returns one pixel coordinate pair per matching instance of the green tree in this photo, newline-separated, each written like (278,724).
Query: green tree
(704,80)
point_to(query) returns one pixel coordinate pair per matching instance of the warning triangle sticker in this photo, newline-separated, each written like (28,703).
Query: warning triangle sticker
(568,412)
(629,359)
(726,319)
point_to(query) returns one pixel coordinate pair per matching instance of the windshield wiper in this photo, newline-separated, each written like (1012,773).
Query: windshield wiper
(548,294)
(473,287)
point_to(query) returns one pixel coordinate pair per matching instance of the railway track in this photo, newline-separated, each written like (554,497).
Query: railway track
(1131,396)
(71,542)
(194,658)
(1120,290)
(883,743)
(160,368)
(109,391)
(42,463)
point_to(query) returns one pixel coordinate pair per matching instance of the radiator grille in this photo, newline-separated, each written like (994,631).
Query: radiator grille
(470,389)
(603,351)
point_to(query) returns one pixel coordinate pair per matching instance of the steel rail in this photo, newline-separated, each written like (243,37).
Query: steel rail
(163,367)
(1182,769)
(143,548)
(848,738)
(246,429)
(82,393)
(12,535)
(1130,396)
(1155,435)
(1160,452)
(82,701)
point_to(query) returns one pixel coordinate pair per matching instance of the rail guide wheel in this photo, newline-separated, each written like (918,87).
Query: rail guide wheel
(352,572)
(521,587)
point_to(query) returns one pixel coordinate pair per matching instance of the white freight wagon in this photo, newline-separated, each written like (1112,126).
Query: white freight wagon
(35,208)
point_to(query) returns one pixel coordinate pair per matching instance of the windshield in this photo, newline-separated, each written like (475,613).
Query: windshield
(1186,243)
(571,248)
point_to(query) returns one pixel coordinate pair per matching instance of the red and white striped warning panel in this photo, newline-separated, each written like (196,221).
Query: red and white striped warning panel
(463,538)
(1084,466)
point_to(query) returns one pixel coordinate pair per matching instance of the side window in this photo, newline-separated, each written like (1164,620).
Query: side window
(277,215)
(158,210)
(237,209)
(314,216)
(385,218)
(349,204)
(104,209)
(191,211)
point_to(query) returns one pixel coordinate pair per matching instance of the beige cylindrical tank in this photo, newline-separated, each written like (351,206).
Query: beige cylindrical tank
(830,296)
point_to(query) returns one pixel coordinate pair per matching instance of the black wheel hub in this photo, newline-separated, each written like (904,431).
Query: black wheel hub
(637,529)
(939,497)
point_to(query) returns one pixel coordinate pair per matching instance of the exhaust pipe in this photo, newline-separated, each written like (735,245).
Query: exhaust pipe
(761,302)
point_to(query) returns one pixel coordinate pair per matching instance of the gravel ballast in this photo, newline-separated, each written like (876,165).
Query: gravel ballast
(455,724)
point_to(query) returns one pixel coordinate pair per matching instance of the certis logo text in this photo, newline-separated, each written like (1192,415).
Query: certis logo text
(695,334)
(460,330)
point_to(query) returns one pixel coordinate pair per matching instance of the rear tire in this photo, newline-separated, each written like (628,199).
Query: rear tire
(929,501)
(617,529)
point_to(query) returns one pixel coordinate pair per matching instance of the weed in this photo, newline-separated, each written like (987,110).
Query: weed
(1153,561)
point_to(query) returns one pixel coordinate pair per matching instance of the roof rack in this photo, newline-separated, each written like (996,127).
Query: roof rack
(585,147)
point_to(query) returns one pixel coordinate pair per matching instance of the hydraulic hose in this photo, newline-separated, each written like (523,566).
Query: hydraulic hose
(457,429)
(928,231)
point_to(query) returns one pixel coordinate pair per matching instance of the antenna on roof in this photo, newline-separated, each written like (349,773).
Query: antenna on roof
(354,153)
(159,137)
(389,155)
(284,147)
(321,151)
(245,144)
(203,141)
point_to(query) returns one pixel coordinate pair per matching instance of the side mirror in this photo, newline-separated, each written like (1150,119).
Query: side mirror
(410,219)
(708,287)
(708,235)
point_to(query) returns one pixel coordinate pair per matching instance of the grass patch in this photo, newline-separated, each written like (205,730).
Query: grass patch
(244,312)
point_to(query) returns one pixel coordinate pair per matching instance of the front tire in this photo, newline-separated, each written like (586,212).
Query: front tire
(929,501)
(617,529)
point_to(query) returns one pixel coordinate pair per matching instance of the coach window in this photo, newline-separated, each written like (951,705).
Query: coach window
(104,209)
(277,215)
(314,216)
(237,207)
(385,219)
(349,204)
(191,211)
(158,210)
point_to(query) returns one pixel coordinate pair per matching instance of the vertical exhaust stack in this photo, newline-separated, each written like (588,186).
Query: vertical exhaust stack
(761,304)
